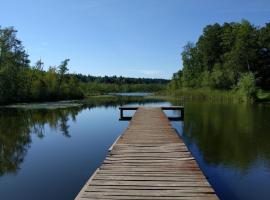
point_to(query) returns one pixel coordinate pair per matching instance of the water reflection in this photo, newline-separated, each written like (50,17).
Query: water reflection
(231,135)
(229,141)
(17,125)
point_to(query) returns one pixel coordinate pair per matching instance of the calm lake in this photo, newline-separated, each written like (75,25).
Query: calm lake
(50,153)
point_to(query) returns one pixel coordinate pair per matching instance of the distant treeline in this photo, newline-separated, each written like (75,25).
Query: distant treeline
(231,56)
(95,88)
(21,82)
(120,79)
(95,85)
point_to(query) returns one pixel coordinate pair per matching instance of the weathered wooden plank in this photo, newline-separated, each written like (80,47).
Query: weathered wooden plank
(145,198)
(190,189)
(139,173)
(150,193)
(149,178)
(148,183)
(149,161)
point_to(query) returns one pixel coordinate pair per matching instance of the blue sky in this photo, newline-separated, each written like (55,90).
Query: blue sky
(136,38)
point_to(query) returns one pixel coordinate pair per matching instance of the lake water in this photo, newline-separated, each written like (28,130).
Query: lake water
(50,153)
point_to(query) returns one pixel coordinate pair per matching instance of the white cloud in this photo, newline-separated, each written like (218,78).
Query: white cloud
(147,72)
(44,44)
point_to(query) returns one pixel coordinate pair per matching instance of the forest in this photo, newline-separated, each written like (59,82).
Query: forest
(228,57)
(21,82)
(231,57)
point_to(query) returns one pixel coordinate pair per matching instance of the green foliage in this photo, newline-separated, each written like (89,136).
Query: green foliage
(119,79)
(193,68)
(228,56)
(94,88)
(208,94)
(13,62)
(220,78)
(20,82)
(247,85)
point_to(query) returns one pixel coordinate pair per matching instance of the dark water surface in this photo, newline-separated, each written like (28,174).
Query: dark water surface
(50,153)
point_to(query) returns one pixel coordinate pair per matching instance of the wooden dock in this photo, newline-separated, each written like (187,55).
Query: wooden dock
(149,161)
(178,108)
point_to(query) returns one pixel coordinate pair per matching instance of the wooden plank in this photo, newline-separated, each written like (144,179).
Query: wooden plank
(149,161)
(179,108)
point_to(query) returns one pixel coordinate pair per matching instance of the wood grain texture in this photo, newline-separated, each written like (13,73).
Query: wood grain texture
(149,161)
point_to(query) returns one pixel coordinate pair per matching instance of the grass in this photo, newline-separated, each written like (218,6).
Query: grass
(219,95)
(210,95)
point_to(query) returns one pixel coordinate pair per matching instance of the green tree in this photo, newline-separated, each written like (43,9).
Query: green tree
(62,70)
(247,85)
(224,55)
(263,64)
(13,64)
(192,66)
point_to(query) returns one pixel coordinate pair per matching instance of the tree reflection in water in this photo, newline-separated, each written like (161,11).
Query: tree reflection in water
(232,135)
(16,127)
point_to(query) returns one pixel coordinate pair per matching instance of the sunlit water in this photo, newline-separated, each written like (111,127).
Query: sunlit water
(49,154)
